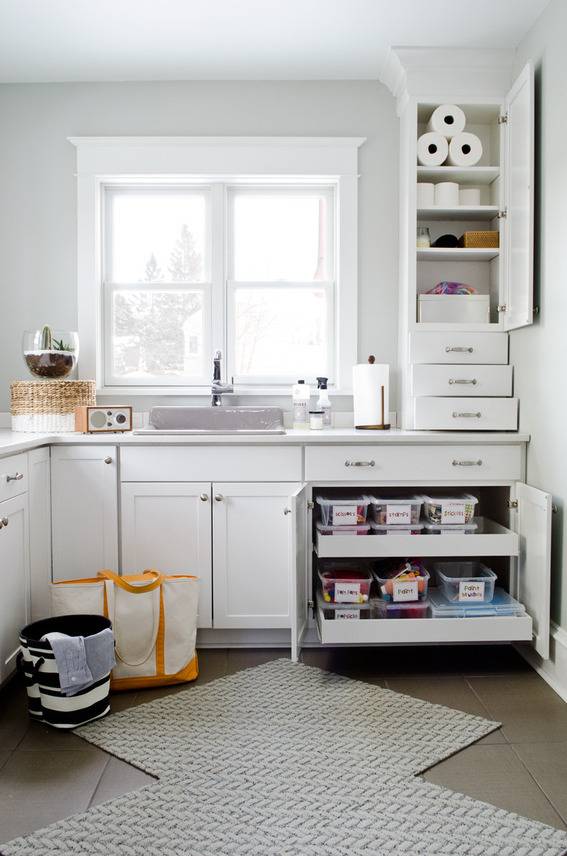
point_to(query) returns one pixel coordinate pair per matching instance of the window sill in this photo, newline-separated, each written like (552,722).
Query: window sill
(204,392)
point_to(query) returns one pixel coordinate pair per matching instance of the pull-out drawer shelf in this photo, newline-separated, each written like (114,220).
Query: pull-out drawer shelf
(466,414)
(415,630)
(492,540)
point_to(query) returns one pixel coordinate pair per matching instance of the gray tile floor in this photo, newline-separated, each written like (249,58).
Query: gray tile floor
(46,775)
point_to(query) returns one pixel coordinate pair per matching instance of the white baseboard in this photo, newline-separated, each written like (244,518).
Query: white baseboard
(554,670)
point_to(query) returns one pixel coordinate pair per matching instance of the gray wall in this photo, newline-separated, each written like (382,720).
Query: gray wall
(539,353)
(37,187)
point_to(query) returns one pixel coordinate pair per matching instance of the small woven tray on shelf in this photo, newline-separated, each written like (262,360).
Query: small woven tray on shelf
(480,240)
(48,405)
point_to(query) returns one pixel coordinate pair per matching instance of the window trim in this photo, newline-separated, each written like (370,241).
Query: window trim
(161,160)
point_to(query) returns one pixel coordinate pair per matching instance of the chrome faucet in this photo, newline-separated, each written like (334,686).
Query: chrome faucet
(217,387)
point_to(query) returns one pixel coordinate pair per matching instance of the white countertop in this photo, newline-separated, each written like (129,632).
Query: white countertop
(12,442)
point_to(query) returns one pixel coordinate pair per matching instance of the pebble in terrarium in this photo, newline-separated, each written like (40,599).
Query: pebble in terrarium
(50,354)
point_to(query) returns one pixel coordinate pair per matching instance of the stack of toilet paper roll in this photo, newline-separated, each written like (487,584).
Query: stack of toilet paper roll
(446,141)
(446,194)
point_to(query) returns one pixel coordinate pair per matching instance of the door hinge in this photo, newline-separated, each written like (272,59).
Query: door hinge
(512,503)
(310,505)
(502,307)
(503,119)
(536,310)
(502,215)
(310,604)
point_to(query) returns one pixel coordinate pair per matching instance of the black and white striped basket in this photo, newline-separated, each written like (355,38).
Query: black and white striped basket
(46,702)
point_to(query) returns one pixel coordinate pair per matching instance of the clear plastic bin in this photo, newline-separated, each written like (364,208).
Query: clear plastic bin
(364,529)
(450,510)
(343,511)
(462,529)
(417,609)
(397,587)
(465,582)
(384,529)
(502,604)
(396,510)
(347,611)
(345,586)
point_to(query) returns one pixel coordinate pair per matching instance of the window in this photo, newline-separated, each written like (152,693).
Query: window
(188,261)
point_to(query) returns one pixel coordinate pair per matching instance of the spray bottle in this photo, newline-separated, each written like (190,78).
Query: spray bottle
(324,402)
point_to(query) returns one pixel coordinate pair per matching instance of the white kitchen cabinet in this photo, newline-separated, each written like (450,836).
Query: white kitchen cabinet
(14,578)
(167,525)
(39,465)
(254,554)
(84,509)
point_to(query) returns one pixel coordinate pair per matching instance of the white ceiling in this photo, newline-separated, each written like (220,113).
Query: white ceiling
(78,40)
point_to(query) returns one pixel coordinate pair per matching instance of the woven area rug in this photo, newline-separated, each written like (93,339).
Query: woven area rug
(286,760)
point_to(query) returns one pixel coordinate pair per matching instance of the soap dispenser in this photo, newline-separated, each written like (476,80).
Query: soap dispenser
(324,402)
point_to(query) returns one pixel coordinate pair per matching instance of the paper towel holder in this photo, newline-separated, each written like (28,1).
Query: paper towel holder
(382,426)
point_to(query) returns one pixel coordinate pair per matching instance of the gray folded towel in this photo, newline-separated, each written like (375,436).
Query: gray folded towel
(82,661)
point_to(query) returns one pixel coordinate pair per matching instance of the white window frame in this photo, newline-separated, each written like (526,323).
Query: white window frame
(217,161)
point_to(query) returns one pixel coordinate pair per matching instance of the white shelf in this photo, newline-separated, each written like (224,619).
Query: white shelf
(492,540)
(415,630)
(460,174)
(462,212)
(457,254)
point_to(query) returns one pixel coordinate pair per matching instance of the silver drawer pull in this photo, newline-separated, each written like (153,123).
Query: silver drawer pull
(467,463)
(453,380)
(16,477)
(456,350)
(360,463)
(4,521)
(457,415)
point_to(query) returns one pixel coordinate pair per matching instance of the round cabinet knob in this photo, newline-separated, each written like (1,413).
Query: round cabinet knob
(4,521)
(219,497)
(203,497)
(287,511)
(108,460)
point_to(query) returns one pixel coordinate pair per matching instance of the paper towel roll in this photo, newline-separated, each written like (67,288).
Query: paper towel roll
(464,150)
(432,149)
(447,194)
(469,196)
(425,195)
(367,382)
(448,119)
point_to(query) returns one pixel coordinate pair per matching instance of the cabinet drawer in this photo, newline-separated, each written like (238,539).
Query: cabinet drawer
(418,464)
(458,347)
(13,476)
(466,414)
(462,380)
(211,463)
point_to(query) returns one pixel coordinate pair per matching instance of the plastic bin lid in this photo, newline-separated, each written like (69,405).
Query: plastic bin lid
(463,570)
(397,500)
(449,527)
(501,604)
(389,606)
(343,500)
(460,497)
(346,576)
(423,575)
(337,607)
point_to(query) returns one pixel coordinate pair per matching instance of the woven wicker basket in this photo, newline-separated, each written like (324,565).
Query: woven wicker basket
(480,240)
(48,405)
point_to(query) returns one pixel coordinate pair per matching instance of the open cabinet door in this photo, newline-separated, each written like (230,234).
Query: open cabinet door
(300,565)
(534,583)
(519,196)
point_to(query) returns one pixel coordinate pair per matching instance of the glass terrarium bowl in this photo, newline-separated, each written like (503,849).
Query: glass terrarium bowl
(50,354)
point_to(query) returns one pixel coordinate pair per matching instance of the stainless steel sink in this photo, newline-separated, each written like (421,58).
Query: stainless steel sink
(214,420)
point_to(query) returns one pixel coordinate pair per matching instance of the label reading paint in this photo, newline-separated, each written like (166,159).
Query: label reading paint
(347,592)
(347,614)
(398,514)
(403,591)
(453,512)
(345,515)
(471,591)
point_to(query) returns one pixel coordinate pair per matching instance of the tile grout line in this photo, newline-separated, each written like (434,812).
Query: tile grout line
(533,777)
(487,709)
(96,787)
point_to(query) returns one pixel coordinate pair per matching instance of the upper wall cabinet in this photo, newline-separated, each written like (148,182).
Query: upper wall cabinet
(467,215)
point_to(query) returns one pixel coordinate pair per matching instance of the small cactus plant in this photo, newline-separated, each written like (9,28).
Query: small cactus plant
(49,357)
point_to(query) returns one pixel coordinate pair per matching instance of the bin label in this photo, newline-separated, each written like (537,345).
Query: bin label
(453,512)
(345,515)
(347,614)
(398,514)
(347,592)
(471,590)
(403,591)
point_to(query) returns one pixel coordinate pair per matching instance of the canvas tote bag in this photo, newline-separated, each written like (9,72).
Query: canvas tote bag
(154,619)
